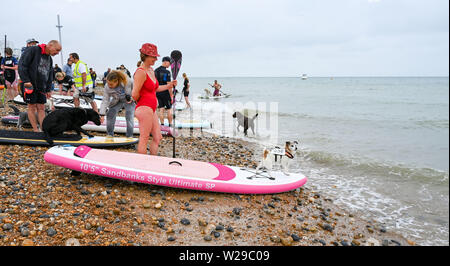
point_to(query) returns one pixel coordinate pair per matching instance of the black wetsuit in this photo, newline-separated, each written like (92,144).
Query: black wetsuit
(185,88)
(163,77)
(9,74)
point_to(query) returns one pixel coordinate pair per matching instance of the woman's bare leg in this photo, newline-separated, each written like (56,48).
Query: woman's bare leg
(145,116)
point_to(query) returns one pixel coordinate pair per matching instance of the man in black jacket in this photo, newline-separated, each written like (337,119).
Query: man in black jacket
(36,73)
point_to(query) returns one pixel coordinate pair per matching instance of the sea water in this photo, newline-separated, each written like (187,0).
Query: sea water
(378,145)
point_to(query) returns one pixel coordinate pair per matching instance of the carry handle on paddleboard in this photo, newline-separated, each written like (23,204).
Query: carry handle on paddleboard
(175,162)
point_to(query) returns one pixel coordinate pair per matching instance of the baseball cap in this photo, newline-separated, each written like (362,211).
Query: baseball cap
(32,40)
(166,58)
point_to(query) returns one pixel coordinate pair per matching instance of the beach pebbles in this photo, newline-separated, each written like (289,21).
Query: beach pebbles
(185,221)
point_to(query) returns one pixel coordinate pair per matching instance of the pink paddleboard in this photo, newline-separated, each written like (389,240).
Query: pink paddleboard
(164,171)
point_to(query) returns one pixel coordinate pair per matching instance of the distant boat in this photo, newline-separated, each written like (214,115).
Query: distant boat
(304,76)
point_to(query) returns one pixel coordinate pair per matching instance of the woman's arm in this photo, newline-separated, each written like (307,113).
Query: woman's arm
(164,87)
(105,100)
(168,86)
(139,79)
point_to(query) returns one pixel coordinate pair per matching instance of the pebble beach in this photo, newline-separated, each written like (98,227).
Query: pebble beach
(44,205)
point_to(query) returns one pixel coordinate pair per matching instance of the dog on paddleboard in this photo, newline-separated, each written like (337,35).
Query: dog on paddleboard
(67,119)
(208,93)
(282,156)
(245,122)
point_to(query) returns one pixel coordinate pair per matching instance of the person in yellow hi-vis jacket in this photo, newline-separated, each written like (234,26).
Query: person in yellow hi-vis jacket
(83,82)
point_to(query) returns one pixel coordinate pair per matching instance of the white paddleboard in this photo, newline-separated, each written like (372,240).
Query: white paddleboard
(214,97)
(190,123)
(61,101)
(120,126)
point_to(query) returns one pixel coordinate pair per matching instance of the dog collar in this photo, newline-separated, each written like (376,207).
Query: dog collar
(289,155)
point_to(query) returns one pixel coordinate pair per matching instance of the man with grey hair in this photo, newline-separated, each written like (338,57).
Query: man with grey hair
(36,73)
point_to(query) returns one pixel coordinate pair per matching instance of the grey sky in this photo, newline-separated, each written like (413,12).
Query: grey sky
(248,37)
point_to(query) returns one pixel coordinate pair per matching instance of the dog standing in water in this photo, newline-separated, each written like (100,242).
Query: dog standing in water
(283,156)
(245,122)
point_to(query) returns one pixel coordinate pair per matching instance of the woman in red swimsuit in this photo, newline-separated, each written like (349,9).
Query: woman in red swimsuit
(144,91)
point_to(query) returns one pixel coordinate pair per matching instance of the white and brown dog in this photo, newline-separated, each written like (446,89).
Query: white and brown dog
(208,93)
(277,155)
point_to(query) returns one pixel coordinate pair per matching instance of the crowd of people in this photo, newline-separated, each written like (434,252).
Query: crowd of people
(34,76)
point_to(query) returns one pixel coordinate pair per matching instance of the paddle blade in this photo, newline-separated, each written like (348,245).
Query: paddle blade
(175,63)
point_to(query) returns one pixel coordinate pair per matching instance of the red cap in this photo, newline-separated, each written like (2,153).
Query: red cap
(149,49)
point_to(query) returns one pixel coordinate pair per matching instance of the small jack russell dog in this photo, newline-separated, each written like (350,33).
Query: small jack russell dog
(278,155)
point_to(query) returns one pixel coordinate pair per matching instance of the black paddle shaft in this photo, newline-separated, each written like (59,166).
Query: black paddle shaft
(175,65)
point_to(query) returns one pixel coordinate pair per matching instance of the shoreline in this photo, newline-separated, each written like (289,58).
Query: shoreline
(44,205)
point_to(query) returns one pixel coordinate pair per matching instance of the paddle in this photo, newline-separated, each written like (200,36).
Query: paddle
(175,65)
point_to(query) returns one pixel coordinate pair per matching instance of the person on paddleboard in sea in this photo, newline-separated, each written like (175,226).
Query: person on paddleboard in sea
(144,93)
(117,95)
(217,88)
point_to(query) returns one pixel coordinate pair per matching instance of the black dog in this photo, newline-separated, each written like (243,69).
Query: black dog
(67,119)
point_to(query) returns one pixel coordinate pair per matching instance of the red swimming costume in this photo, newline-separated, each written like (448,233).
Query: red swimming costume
(148,93)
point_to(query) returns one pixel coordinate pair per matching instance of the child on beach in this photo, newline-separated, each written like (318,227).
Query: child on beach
(9,65)
(144,93)
(65,83)
(117,95)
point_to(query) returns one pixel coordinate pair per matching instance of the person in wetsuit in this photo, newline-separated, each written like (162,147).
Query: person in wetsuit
(165,98)
(186,89)
(9,65)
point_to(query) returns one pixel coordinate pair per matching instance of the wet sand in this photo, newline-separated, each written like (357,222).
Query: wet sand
(44,205)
